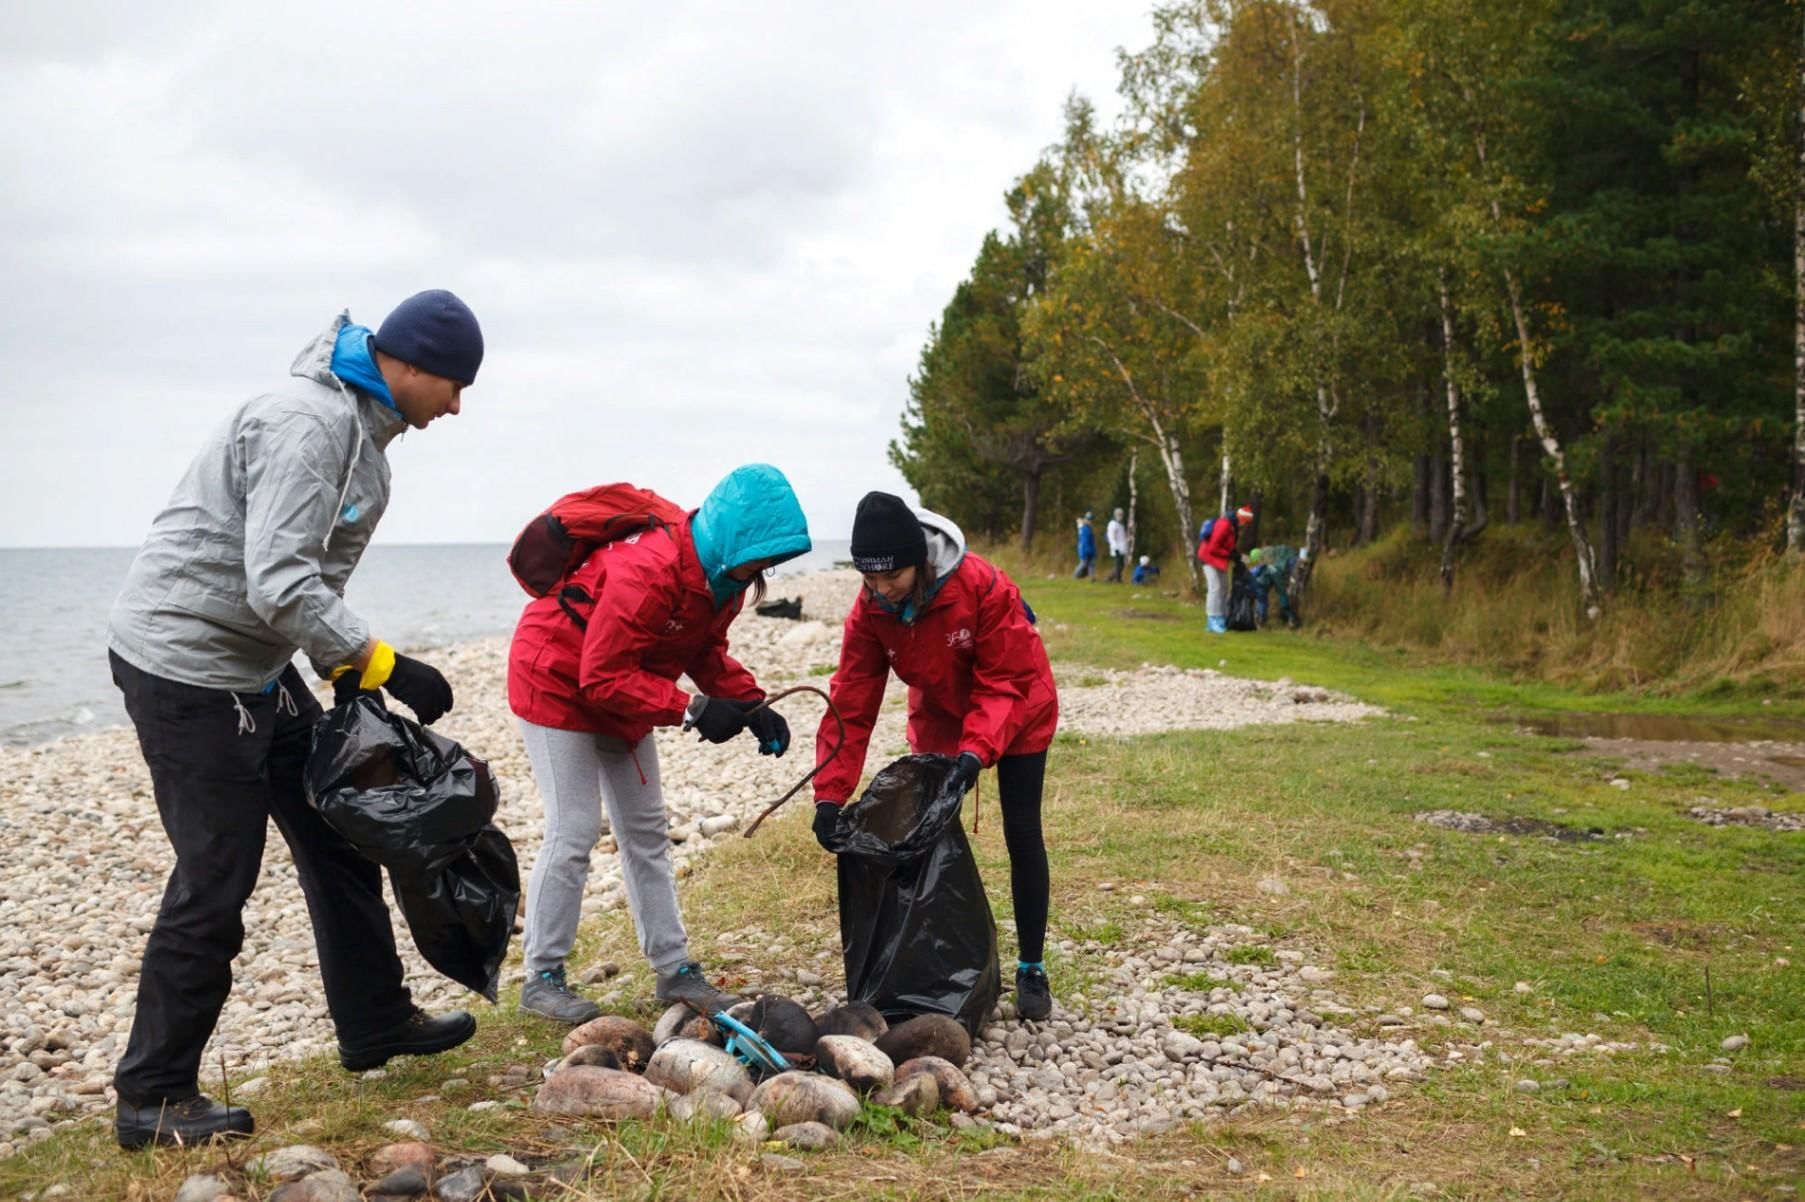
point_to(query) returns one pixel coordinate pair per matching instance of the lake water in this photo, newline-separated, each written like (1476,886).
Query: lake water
(54,604)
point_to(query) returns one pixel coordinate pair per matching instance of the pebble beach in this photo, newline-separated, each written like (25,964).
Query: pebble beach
(88,860)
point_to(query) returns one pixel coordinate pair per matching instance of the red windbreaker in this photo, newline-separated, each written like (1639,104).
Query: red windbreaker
(653,619)
(978,677)
(1219,548)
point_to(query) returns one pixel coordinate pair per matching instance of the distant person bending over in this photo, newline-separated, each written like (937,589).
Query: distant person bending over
(1118,546)
(1087,550)
(245,565)
(1269,568)
(955,629)
(1146,571)
(590,689)
(1216,548)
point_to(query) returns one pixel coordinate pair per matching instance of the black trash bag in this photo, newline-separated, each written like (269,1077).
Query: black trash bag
(420,806)
(1243,614)
(916,930)
(783,607)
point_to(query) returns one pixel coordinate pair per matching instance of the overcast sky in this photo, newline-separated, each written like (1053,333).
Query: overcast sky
(696,235)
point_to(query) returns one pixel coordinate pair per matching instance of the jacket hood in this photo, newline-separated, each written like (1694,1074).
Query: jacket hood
(314,363)
(752,514)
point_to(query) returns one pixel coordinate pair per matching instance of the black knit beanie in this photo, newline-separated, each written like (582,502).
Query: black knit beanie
(886,535)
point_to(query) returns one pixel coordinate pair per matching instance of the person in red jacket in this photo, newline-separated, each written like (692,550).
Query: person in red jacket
(589,684)
(1216,550)
(953,628)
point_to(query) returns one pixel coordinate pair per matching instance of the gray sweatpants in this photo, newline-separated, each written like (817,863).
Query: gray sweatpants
(1215,581)
(577,774)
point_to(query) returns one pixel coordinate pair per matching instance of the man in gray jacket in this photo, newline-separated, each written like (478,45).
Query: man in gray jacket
(246,565)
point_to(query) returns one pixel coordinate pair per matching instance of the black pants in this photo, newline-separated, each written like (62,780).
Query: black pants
(1121,559)
(1019,784)
(219,778)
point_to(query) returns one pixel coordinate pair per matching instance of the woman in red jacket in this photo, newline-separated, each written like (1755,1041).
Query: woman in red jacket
(592,670)
(956,631)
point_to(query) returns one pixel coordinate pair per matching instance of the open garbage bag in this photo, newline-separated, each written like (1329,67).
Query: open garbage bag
(916,930)
(420,806)
(1242,604)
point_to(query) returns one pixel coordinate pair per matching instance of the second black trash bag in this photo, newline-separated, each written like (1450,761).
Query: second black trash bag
(419,805)
(915,925)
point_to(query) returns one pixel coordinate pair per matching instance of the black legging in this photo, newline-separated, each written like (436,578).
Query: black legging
(1019,781)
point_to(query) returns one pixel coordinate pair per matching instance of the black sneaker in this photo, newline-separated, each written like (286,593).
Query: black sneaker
(686,983)
(1033,998)
(547,994)
(419,1035)
(191,1121)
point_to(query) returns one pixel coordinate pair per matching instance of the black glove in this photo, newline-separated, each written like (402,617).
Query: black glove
(344,687)
(768,727)
(420,687)
(714,718)
(827,822)
(965,772)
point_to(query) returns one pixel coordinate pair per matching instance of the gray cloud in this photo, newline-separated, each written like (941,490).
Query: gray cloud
(696,236)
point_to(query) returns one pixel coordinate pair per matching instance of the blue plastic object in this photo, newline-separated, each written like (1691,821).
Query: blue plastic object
(750,1048)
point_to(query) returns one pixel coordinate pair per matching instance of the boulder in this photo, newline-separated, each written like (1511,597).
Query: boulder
(955,1088)
(392,1157)
(631,1043)
(852,1060)
(796,1097)
(327,1185)
(594,1055)
(685,1065)
(291,1163)
(600,1093)
(918,1095)
(705,1104)
(783,1023)
(809,1137)
(854,1018)
(927,1035)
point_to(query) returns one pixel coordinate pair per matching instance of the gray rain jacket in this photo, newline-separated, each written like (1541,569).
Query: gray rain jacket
(249,560)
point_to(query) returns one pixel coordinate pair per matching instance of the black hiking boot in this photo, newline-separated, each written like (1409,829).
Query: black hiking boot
(686,983)
(547,994)
(187,1122)
(419,1034)
(1033,997)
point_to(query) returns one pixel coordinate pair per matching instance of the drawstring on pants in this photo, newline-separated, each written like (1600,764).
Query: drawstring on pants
(285,704)
(633,752)
(246,724)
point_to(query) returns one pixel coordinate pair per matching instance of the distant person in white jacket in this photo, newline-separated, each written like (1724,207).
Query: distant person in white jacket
(1118,546)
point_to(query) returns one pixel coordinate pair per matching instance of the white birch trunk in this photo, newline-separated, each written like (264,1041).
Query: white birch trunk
(1134,495)
(1589,594)
(1458,524)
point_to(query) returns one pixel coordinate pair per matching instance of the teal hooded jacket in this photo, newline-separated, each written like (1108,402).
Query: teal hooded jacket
(750,515)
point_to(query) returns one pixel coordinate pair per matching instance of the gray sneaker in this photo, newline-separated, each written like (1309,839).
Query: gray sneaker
(549,995)
(685,983)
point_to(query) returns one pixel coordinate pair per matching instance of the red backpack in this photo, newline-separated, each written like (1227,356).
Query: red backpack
(556,542)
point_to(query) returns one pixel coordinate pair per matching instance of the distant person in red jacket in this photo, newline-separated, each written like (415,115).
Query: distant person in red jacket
(956,631)
(590,683)
(1216,550)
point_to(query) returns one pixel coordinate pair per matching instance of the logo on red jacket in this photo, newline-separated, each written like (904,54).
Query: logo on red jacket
(958,638)
(673,625)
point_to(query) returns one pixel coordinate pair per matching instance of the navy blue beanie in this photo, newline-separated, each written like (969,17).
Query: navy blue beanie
(437,333)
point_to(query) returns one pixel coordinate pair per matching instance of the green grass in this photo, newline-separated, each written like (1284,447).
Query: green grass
(1617,937)
(1202,1025)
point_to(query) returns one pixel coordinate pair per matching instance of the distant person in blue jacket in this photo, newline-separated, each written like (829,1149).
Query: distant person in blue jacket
(1087,550)
(1146,571)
